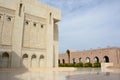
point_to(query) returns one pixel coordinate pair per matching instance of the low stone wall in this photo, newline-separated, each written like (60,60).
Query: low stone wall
(104,67)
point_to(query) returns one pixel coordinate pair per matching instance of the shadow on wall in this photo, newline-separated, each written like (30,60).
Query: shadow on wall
(10,66)
(11,74)
(10,60)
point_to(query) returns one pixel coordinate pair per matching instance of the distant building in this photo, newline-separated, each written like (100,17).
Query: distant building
(103,55)
(28,34)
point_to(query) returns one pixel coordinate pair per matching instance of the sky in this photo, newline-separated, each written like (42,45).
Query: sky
(88,24)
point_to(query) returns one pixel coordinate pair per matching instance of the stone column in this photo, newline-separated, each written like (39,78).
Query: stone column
(55,47)
(49,41)
(17,36)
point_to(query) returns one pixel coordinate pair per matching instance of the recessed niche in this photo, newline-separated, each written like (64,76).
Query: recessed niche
(34,24)
(9,18)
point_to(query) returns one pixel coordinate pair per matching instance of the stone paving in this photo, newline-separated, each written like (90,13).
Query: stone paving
(58,74)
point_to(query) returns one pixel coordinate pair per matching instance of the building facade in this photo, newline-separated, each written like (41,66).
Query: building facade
(102,55)
(28,34)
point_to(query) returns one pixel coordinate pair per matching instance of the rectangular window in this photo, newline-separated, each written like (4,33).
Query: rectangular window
(20,9)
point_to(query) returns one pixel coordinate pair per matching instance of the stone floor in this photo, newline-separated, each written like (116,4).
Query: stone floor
(59,74)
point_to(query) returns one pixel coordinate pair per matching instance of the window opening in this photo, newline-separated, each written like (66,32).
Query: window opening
(50,18)
(34,24)
(74,61)
(26,22)
(9,18)
(42,26)
(20,9)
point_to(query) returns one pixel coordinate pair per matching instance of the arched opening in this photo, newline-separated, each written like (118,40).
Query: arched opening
(87,59)
(68,53)
(25,60)
(41,61)
(50,18)
(96,59)
(34,56)
(33,61)
(106,59)
(5,60)
(74,61)
(63,61)
(41,57)
(9,18)
(26,22)
(25,56)
(58,61)
(80,59)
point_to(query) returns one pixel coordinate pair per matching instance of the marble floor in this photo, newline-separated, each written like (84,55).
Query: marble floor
(79,74)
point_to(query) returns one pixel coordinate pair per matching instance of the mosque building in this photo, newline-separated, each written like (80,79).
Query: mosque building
(28,34)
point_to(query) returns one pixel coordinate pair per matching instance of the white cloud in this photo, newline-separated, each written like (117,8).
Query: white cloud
(88,23)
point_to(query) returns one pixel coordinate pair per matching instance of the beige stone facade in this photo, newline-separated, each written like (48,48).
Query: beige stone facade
(103,55)
(28,34)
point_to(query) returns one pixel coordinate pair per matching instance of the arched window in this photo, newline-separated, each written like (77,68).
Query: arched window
(106,59)
(5,54)
(41,61)
(58,61)
(41,57)
(63,61)
(9,18)
(5,60)
(68,53)
(87,59)
(33,56)
(80,59)
(96,59)
(33,61)
(25,56)
(74,61)
(25,60)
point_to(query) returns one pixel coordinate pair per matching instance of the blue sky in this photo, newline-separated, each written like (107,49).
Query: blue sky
(88,24)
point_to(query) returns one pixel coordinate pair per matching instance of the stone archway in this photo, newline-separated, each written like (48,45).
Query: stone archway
(96,59)
(63,61)
(41,61)
(106,59)
(80,59)
(58,61)
(5,60)
(68,54)
(25,60)
(74,61)
(87,59)
(33,61)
